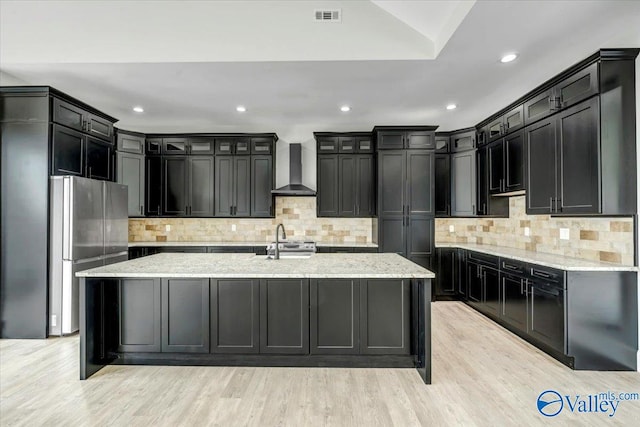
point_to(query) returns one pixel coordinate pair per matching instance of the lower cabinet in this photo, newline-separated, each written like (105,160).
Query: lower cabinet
(514,301)
(139,314)
(446,273)
(334,316)
(185,315)
(546,313)
(235,316)
(483,287)
(384,316)
(284,316)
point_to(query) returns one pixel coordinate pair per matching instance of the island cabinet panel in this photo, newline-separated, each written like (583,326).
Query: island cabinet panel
(384,316)
(284,316)
(139,314)
(334,316)
(185,315)
(235,316)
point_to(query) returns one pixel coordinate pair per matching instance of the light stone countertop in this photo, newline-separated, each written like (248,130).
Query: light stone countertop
(170,244)
(548,260)
(372,265)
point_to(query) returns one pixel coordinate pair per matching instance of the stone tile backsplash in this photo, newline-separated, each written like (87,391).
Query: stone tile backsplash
(298,214)
(596,239)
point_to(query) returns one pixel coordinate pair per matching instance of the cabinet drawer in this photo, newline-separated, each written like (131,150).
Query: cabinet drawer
(327,145)
(488,260)
(547,273)
(513,266)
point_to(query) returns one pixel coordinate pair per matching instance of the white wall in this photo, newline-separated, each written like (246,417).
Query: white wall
(9,80)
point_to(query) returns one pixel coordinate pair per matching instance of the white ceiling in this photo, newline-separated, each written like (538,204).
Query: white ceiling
(190,63)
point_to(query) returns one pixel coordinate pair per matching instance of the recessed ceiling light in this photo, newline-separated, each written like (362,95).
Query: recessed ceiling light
(345,108)
(241,109)
(452,107)
(138,109)
(508,58)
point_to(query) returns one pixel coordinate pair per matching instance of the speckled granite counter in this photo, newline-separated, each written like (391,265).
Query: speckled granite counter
(256,266)
(207,244)
(548,260)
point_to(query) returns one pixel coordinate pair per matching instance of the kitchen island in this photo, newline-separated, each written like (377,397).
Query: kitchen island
(332,310)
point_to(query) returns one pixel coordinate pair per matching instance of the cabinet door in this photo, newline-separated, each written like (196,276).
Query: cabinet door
(347,175)
(153,185)
(235,316)
(384,316)
(393,234)
(447,262)
(419,236)
(541,166)
(99,127)
(223,185)
(261,186)
(495,156)
(175,190)
(422,139)
(328,193)
(201,146)
(200,186)
(242,185)
(482,181)
(346,144)
(139,315)
(185,315)
(463,141)
(546,315)
(174,146)
(463,183)
(578,87)
(154,145)
(131,173)
(327,145)
(514,301)
(391,178)
(130,143)
(420,183)
(284,316)
(474,283)
(495,129)
(67,152)
(99,160)
(514,162)
(442,196)
(491,279)
(579,139)
(539,107)
(514,119)
(335,316)
(68,114)
(365,188)
(461,276)
(390,140)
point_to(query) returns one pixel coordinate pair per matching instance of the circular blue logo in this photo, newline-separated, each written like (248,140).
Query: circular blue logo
(550,403)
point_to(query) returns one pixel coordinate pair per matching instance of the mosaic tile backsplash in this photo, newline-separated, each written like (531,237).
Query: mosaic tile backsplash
(596,239)
(298,214)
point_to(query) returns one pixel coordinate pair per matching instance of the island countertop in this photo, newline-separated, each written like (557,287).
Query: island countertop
(243,265)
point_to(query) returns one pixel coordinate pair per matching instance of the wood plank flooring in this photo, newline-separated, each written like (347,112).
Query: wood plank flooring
(482,376)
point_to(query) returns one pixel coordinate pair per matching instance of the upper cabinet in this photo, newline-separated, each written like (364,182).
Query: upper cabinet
(78,118)
(411,137)
(504,124)
(345,175)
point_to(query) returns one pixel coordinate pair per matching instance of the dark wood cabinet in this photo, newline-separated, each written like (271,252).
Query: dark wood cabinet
(175,185)
(233,186)
(384,316)
(185,315)
(261,186)
(130,142)
(504,124)
(446,269)
(514,301)
(174,146)
(483,283)
(200,184)
(345,175)
(463,183)
(463,140)
(131,172)
(496,167)
(442,176)
(67,155)
(546,313)
(284,316)
(514,177)
(486,203)
(335,316)
(139,313)
(78,118)
(564,162)
(396,139)
(474,283)
(153,186)
(491,283)
(406,203)
(235,316)
(99,159)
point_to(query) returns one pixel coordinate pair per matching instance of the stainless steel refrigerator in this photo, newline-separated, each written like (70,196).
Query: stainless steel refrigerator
(89,228)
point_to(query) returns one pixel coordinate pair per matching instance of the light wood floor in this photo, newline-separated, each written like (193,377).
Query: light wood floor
(483,375)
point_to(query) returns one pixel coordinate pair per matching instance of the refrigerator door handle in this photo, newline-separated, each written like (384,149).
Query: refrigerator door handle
(67,218)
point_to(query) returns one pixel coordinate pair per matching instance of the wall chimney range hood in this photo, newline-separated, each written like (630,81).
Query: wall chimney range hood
(295,187)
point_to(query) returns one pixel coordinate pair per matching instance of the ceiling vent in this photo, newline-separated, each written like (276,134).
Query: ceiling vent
(334,15)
